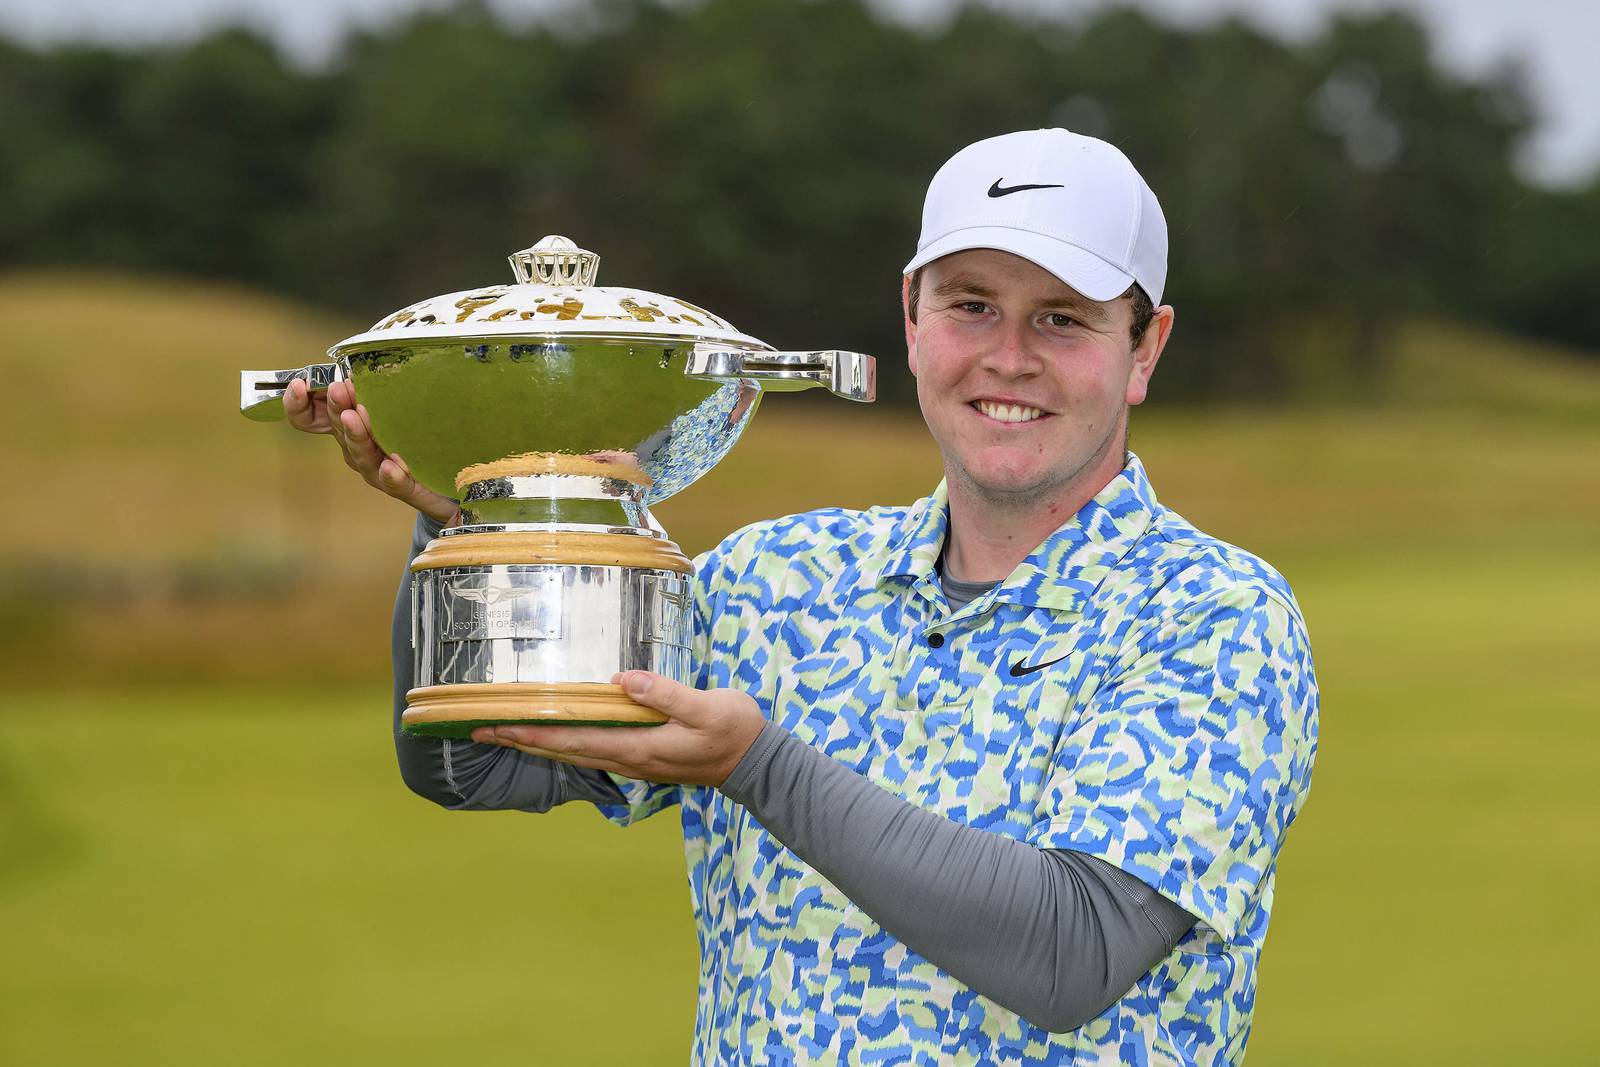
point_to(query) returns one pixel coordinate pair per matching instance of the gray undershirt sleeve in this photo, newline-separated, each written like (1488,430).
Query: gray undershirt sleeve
(1055,936)
(464,775)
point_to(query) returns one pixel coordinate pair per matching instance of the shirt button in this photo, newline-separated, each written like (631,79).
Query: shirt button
(936,640)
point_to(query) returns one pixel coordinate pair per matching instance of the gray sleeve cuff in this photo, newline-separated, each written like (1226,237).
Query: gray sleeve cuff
(426,530)
(745,773)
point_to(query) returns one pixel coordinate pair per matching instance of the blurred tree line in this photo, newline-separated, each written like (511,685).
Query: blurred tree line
(767,159)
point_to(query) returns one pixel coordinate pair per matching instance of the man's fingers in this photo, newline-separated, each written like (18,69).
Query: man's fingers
(341,395)
(296,400)
(360,451)
(567,740)
(354,428)
(300,408)
(709,732)
(566,757)
(665,695)
(397,480)
(335,412)
(585,746)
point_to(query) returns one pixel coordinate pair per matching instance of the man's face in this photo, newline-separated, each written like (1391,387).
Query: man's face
(1024,383)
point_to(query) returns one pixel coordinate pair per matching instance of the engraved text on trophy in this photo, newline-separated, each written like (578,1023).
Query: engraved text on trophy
(480,607)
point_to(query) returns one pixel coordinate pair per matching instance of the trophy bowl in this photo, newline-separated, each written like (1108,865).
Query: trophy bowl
(556,412)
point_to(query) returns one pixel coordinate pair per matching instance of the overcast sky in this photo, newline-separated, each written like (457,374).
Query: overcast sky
(1559,38)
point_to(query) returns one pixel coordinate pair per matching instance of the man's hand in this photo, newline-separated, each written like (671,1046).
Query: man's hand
(708,732)
(338,415)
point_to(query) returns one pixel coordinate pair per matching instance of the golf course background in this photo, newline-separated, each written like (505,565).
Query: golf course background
(206,855)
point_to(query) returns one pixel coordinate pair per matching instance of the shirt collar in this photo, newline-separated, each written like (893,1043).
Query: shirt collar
(1064,571)
(918,538)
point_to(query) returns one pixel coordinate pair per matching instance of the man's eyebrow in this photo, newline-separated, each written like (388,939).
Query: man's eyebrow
(963,284)
(1088,310)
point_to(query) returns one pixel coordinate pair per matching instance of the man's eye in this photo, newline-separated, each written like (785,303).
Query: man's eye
(973,307)
(1061,321)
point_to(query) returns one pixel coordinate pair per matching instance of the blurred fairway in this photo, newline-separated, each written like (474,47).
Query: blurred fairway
(207,857)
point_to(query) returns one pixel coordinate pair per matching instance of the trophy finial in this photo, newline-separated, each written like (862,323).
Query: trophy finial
(555,260)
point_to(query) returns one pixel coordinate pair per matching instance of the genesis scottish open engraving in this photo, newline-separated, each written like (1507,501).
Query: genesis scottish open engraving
(481,607)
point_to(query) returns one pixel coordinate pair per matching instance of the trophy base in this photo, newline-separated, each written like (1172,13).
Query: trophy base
(456,710)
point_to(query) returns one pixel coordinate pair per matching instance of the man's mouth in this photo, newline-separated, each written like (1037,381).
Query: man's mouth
(1008,412)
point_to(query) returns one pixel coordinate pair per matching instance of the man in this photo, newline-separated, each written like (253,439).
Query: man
(997,777)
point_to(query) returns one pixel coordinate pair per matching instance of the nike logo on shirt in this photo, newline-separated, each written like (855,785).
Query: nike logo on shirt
(1019,671)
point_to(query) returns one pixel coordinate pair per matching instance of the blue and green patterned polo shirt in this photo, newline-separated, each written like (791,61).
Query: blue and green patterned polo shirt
(1171,733)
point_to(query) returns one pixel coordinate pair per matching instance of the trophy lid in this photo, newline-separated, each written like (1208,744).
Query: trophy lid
(554,293)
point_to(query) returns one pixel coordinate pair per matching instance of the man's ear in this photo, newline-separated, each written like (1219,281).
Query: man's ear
(1148,352)
(911,327)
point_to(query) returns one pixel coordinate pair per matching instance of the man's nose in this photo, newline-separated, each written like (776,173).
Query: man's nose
(1013,354)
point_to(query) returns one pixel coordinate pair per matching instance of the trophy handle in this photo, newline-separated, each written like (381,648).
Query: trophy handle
(261,391)
(847,374)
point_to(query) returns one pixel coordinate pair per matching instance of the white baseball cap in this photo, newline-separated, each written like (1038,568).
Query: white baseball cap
(1072,204)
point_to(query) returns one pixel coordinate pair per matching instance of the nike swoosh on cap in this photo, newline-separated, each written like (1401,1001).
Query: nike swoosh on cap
(996,190)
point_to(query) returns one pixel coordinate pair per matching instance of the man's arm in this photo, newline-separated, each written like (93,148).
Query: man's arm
(464,775)
(1054,935)
(1027,928)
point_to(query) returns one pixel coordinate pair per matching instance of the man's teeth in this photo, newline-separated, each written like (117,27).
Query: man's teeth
(1008,412)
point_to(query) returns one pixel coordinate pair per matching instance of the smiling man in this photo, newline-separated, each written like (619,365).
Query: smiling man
(997,777)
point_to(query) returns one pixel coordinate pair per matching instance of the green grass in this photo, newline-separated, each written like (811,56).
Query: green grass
(247,881)
(1438,876)
(206,854)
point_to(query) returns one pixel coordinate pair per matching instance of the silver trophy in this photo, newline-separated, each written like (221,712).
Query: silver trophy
(556,411)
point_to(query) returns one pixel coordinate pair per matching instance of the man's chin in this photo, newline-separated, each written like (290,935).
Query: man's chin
(1012,488)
